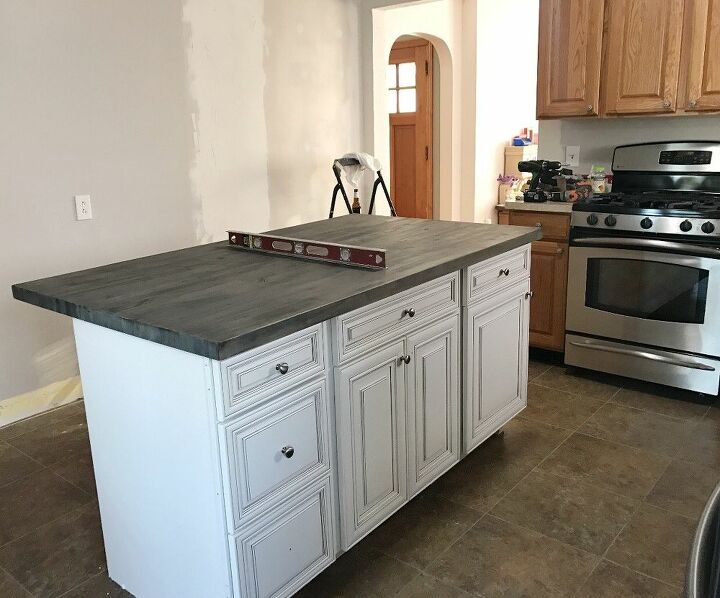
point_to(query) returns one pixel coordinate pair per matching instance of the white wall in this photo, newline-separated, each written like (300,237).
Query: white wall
(598,137)
(505,99)
(180,118)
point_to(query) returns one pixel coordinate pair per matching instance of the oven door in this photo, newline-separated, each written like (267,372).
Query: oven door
(646,291)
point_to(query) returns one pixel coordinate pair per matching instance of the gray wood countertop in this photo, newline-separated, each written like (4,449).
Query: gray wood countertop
(218,301)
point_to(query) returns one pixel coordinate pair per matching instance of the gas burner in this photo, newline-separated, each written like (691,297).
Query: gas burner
(656,200)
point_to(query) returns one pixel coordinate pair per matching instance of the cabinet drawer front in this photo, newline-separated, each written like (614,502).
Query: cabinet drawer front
(276,450)
(373,325)
(252,376)
(554,226)
(496,274)
(289,547)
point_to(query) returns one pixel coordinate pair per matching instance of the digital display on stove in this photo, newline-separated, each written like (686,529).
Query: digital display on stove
(685,157)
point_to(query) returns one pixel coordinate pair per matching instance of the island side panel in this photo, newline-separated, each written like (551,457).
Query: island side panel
(154,444)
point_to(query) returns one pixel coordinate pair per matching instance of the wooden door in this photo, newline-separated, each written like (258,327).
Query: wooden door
(409,81)
(701,55)
(642,56)
(496,354)
(548,282)
(433,420)
(570,50)
(372,467)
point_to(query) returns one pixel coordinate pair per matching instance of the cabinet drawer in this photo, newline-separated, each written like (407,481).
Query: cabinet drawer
(554,226)
(276,450)
(385,320)
(250,377)
(282,552)
(497,273)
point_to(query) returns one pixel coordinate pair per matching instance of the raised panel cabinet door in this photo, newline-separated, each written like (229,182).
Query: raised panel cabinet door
(642,58)
(569,56)
(701,55)
(496,357)
(433,419)
(372,468)
(548,282)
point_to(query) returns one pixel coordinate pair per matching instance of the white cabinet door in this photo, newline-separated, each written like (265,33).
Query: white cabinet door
(496,354)
(372,467)
(433,422)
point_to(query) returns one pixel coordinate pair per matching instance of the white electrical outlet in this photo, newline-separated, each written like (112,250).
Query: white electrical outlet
(572,155)
(83,207)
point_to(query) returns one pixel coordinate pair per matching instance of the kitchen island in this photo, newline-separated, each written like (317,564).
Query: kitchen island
(253,416)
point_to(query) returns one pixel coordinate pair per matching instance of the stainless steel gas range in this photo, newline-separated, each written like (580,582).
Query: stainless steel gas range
(644,275)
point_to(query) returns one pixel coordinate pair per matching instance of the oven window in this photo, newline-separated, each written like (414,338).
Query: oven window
(646,289)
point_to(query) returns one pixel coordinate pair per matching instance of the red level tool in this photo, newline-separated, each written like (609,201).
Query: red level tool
(304,249)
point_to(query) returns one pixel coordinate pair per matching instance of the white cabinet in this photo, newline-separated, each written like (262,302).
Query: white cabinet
(495,356)
(372,466)
(433,422)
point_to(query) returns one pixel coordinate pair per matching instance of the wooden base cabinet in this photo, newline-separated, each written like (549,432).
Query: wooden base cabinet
(548,282)
(496,357)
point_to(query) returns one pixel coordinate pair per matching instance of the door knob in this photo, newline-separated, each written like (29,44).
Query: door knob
(282,368)
(405,359)
(410,312)
(528,295)
(288,451)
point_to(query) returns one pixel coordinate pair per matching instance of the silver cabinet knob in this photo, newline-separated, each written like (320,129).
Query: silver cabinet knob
(409,312)
(528,295)
(282,368)
(404,359)
(288,451)
(538,225)
(589,108)
(233,238)
(667,104)
(692,103)
(504,272)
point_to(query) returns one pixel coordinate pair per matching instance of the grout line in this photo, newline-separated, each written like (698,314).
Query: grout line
(16,580)
(662,581)
(72,589)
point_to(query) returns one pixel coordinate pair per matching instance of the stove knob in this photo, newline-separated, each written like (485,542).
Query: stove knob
(610,220)
(685,226)
(707,227)
(592,219)
(646,223)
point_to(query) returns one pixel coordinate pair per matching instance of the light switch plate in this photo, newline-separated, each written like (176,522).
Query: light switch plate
(83,207)
(572,155)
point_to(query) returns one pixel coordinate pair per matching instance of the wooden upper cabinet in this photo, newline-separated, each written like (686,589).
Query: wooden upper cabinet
(642,55)
(701,55)
(570,51)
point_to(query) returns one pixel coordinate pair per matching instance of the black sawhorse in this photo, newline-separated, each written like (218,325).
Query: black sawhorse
(339,188)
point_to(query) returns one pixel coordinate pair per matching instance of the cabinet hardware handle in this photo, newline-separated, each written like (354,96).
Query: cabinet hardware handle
(288,451)
(282,368)
(589,108)
(560,251)
(692,103)
(538,224)
(667,104)
(409,312)
(405,359)
(528,295)
(504,272)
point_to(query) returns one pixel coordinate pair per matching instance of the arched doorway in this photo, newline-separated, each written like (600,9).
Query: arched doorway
(412,78)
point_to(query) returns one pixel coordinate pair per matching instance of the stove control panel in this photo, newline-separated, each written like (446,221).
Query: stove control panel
(685,157)
(671,225)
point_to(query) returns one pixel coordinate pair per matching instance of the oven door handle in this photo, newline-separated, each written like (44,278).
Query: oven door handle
(648,244)
(643,354)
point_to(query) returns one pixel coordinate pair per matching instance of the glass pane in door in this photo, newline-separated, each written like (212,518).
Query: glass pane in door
(647,289)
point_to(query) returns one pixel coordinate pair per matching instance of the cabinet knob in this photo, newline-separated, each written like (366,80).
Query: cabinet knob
(589,108)
(405,359)
(409,312)
(538,225)
(288,451)
(667,104)
(504,272)
(282,368)
(528,295)
(692,103)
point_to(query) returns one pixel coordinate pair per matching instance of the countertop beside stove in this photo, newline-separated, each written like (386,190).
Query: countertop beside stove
(217,301)
(560,207)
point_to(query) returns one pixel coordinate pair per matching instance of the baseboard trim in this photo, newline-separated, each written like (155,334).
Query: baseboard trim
(40,400)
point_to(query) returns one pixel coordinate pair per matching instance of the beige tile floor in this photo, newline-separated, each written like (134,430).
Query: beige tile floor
(593,491)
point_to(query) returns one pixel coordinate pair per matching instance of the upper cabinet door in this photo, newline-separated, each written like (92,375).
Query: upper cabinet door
(642,58)
(570,48)
(701,55)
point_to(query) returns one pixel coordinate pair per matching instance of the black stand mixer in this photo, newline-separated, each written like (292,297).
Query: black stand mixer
(543,181)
